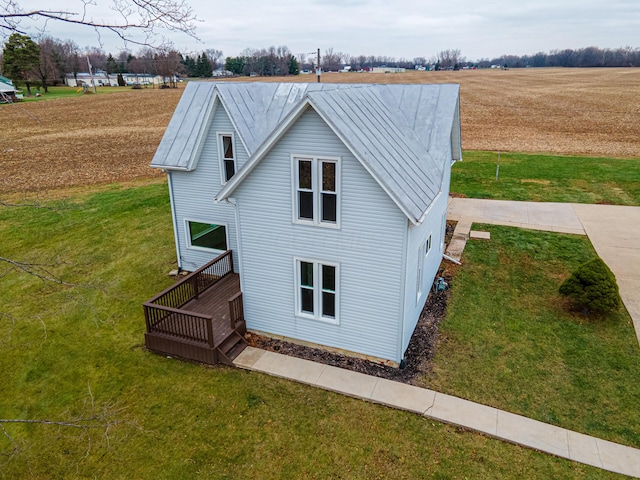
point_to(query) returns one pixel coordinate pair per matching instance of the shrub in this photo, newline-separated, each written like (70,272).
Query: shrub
(593,286)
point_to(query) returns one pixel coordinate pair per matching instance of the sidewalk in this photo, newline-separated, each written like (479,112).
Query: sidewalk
(438,406)
(613,231)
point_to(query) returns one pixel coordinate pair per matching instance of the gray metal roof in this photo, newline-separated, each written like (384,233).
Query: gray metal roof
(402,134)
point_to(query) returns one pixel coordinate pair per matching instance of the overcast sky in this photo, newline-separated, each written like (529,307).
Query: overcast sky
(397,28)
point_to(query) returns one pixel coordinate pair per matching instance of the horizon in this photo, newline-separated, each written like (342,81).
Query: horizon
(408,29)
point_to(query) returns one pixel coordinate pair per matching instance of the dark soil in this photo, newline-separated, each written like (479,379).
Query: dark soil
(418,357)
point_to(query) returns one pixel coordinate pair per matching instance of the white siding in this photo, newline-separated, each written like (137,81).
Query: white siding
(368,248)
(193,194)
(432,225)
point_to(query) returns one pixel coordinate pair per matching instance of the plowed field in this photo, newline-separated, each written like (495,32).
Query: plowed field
(105,138)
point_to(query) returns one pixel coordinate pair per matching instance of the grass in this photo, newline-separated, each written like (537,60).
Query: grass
(76,354)
(548,178)
(64,92)
(509,340)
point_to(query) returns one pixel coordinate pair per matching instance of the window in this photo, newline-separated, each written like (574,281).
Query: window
(206,236)
(227,157)
(427,245)
(316,191)
(317,290)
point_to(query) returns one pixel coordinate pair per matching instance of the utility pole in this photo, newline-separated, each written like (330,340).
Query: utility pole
(93,82)
(318,68)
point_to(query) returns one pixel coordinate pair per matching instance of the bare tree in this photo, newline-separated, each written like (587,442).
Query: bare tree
(215,57)
(167,65)
(331,60)
(140,20)
(47,70)
(97,58)
(449,58)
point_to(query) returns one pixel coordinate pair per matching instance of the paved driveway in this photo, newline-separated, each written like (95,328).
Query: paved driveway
(614,232)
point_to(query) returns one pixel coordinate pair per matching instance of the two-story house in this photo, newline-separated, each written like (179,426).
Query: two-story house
(332,198)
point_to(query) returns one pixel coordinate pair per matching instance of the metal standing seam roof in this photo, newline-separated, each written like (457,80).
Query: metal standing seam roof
(400,133)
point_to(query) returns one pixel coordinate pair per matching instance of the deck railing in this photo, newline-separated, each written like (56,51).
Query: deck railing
(184,324)
(236,310)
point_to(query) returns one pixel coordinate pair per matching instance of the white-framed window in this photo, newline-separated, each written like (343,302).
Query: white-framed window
(206,236)
(317,290)
(427,246)
(227,152)
(316,190)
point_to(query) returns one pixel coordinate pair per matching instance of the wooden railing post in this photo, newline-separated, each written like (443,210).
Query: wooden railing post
(210,333)
(236,310)
(194,282)
(146,317)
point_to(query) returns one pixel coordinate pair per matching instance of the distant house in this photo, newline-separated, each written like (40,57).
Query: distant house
(7,90)
(388,70)
(332,199)
(102,79)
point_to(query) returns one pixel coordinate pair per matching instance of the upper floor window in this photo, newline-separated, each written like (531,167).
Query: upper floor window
(227,156)
(317,186)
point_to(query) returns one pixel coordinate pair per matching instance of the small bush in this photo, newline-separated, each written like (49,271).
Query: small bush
(593,286)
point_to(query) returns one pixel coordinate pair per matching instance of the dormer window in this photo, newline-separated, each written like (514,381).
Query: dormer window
(227,150)
(316,191)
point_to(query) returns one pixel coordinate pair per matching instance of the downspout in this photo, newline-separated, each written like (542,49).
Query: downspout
(175,220)
(231,201)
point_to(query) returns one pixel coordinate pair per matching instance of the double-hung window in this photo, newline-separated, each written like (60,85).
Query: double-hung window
(317,290)
(227,151)
(316,190)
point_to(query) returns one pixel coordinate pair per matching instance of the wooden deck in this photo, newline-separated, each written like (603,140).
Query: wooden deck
(199,318)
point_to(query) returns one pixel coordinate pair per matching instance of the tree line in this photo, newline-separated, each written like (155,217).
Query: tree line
(264,62)
(579,58)
(48,61)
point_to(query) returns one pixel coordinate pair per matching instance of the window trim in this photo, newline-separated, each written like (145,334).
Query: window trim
(316,189)
(317,290)
(221,157)
(187,235)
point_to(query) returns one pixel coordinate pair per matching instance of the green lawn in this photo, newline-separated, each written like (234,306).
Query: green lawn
(544,178)
(64,92)
(76,354)
(509,341)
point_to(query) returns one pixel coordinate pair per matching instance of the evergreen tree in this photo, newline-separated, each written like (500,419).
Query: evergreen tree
(20,57)
(190,66)
(294,68)
(204,68)
(593,286)
(112,65)
(235,65)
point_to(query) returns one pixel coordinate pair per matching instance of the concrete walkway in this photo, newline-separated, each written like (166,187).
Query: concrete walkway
(614,232)
(438,406)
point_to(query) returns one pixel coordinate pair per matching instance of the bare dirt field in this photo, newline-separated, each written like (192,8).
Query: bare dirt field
(105,138)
